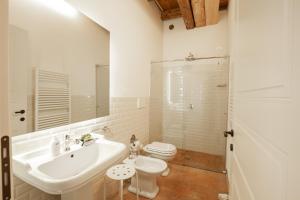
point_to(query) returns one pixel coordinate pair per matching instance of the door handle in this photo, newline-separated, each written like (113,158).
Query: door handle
(191,106)
(20,112)
(226,133)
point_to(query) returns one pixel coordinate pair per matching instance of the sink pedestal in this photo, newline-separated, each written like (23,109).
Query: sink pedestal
(85,192)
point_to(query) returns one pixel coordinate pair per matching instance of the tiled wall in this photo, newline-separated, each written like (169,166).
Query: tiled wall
(155,113)
(125,119)
(24,191)
(82,108)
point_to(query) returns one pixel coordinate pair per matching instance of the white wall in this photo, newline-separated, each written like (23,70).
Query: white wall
(136,39)
(202,42)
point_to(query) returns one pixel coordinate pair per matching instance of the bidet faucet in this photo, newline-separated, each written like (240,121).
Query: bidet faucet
(133,149)
(132,139)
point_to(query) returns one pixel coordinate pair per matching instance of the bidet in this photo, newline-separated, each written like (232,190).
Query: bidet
(148,169)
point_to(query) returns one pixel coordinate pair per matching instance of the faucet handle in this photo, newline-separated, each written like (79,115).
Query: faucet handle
(77,141)
(67,137)
(132,139)
(105,129)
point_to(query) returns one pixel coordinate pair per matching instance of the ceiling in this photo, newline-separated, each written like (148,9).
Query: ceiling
(195,13)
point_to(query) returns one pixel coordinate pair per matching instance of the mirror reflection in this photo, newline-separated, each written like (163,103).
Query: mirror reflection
(59,66)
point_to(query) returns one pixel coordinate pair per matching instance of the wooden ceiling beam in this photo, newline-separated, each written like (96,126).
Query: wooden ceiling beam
(167,4)
(187,13)
(212,11)
(199,12)
(170,14)
(195,13)
(223,4)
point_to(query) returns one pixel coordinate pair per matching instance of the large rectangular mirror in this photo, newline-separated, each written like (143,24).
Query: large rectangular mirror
(59,66)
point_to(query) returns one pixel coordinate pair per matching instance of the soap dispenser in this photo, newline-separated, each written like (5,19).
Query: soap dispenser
(55,146)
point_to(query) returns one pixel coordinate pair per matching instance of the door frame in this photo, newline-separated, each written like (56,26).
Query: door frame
(4,87)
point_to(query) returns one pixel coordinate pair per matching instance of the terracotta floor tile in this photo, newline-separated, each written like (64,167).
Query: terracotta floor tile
(199,160)
(187,183)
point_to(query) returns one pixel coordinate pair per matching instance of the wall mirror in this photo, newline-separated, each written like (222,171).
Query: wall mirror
(59,66)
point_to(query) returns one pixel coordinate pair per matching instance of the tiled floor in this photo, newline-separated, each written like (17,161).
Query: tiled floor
(187,183)
(199,160)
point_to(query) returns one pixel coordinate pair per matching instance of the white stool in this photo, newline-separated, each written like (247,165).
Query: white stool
(120,173)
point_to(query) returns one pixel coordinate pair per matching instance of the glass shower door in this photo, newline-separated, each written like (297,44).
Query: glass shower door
(205,115)
(188,108)
(173,104)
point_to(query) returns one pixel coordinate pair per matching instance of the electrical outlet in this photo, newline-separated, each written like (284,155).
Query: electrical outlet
(223,197)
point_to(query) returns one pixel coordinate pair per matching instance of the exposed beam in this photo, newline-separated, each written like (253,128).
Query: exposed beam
(199,12)
(212,11)
(170,14)
(186,12)
(223,4)
(167,4)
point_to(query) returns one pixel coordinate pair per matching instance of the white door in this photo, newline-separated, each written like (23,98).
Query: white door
(265,162)
(18,72)
(4,119)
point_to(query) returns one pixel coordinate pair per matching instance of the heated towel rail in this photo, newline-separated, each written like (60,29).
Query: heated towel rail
(52,99)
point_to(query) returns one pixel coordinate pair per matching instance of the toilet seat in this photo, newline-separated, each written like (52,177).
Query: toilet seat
(160,148)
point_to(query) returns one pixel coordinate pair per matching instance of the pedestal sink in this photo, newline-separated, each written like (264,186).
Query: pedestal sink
(69,171)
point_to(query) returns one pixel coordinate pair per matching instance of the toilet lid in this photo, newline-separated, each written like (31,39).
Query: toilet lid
(162,148)
(159,152)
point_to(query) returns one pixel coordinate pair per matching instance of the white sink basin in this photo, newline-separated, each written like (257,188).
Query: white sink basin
(70,170)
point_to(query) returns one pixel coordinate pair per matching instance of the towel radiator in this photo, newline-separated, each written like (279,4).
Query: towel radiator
(52,99)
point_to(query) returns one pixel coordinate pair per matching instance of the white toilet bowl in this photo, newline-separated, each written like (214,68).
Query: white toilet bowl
(148,169)
(162,151)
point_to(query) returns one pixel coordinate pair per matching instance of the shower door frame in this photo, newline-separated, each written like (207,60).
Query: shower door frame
(183,65)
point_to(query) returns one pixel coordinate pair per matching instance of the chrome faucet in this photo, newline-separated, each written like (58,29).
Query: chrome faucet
(68,141)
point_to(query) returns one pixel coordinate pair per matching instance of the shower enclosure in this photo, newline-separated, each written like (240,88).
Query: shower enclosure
(188,108)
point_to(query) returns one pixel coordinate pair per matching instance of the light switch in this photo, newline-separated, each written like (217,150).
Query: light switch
(140,103)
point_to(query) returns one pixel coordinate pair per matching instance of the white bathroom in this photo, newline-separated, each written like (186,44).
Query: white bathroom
(149,99)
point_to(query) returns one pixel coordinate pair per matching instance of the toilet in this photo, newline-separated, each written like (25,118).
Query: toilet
(162,151)
(148,169)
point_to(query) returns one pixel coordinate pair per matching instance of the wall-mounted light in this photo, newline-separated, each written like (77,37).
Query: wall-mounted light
(60,6)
